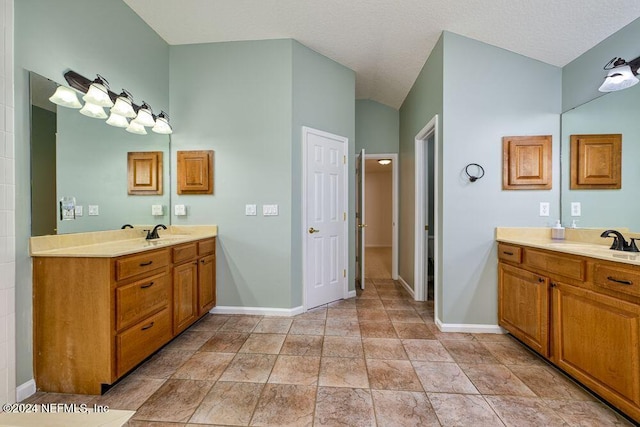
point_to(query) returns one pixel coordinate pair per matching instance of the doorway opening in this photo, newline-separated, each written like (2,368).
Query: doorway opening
(427,220)
(381,205)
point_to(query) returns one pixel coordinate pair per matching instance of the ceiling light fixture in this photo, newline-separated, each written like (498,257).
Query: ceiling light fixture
(65,97)
(94,111)
(384,162)
(124,105)
(621,75)
(162,124)
(98,93)
(117,120)
(145,116)
(137,128)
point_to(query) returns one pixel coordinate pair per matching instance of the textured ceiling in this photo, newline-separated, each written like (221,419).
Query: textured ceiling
(386,42)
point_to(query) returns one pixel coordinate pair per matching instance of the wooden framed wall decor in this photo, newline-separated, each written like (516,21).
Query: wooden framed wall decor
(526,162)
(596,162)
(195,172)
(144,170)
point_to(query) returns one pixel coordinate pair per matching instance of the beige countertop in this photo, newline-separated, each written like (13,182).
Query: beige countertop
(581,241)
(107,244)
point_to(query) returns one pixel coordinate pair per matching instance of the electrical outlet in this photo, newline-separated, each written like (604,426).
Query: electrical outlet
(576,209)
(180,210)
(269,210)
(250,210)
(544,208)
(78,211)
(94,210)
(156,210)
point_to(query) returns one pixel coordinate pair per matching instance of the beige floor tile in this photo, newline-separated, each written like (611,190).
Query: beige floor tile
(377,330)
(163,364)
(443,377)
(210,322)
(350,314)
(387,294)
(469,352)
(405,316)
(463,410)
(426,350)
(263,343)
(547,382)
(342,328)
(130,393)
(225,342)
(392,375)
(494,338)
(383,348)
(413,331)
(285,405)
(273,325)
(372,315)
(449,336)
(397,304)
(343,372)
(318,313)
(403,408)
(254,368)
(175,401)
(307,327)
(302,345)
(343,304)
(371,304)
(511,353)
(302,370)
(369,293)
(344,407)
(228,403)
(241,324)
(519,411)
(496,379)
(342,347)
(190,340)
(586,414)
(142,423)
(204,366)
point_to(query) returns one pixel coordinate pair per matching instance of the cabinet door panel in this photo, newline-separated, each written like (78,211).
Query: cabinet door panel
(523,306)
(597,340)
(185,278)
(206,284)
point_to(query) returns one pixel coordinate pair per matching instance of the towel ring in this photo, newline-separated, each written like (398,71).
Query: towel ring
(474,178)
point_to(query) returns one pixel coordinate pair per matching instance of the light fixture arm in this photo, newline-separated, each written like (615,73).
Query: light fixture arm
(634,64)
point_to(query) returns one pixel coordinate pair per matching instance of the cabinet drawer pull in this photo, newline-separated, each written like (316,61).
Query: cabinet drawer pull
(622,282)
(149,326)
(150,284)
(540,280)
(144,264)
(507,253)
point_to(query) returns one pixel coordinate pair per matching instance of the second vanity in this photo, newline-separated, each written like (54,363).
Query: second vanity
(576,303)
(105,301)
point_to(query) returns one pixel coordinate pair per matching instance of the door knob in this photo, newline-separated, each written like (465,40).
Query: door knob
(362,225)
(313,230)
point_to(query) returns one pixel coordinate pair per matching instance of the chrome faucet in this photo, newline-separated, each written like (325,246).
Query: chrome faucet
(153,234)
(619,242)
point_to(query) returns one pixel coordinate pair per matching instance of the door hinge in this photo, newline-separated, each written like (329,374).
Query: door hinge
(344,159)
(356,258)
(344,273)
(344,215)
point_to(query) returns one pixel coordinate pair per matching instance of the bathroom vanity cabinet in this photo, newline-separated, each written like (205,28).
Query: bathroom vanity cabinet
(581,313)
(96,318)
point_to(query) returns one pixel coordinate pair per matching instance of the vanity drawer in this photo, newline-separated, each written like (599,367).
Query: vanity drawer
(137,300)
(617,279)
(206,247)
(509,253)
(566,266)
(138,342)
(138,264)
(185,252)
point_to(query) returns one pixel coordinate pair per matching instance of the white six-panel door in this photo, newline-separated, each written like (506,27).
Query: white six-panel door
(325,207)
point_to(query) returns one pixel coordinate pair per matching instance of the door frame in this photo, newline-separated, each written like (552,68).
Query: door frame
(431,128)
(303,230)
(395,189)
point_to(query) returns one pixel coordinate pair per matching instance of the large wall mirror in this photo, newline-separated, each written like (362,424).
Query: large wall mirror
(613,113)
(73,156)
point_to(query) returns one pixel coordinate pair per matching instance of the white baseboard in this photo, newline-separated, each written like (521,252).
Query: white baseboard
(262,311)
(407,287)
(25,390)
(469,328)
(351,294)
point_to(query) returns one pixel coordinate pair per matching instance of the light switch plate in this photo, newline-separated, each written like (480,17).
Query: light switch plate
(94,210)
(544,208)
(180,210)
(269,210)
(250,210)
(156,210)
(576,209)
(78,211)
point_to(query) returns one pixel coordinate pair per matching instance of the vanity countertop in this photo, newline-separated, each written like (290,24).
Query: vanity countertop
(581,241)
(107,244)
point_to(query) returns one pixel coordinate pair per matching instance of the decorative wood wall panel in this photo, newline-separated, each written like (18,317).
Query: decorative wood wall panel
(526,162)
(596,162)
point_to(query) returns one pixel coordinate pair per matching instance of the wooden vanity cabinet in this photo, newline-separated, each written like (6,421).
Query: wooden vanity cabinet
(592,316)
(95,319)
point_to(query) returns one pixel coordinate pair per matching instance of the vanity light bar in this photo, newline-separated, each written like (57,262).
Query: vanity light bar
(82,84)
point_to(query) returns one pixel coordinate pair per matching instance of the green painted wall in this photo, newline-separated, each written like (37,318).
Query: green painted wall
(377,127)
(324,99)
(582,77)
(43,162)
(124,50)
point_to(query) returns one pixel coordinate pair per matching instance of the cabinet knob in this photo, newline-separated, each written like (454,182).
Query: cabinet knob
(540,280)
(554,284)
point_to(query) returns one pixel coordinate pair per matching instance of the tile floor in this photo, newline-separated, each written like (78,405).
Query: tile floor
(377,359)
